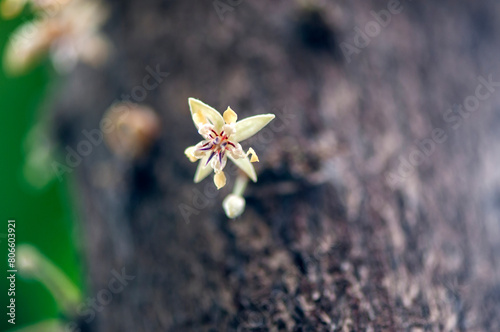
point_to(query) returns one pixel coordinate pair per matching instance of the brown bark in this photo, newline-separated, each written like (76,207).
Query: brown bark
(326,243)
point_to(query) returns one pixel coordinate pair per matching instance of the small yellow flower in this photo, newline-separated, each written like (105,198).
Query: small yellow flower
(221,136)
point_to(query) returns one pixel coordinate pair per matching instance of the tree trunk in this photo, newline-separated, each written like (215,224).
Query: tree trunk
(376,207)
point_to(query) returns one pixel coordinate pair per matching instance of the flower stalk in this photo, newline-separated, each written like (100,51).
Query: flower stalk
(234,203)
(34,265)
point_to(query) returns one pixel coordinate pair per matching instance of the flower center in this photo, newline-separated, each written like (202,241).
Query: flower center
(218,142)
(217,145)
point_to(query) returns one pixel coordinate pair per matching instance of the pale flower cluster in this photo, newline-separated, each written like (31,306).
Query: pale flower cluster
(66,30)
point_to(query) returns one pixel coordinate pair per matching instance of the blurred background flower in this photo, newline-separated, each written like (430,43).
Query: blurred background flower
(68,31)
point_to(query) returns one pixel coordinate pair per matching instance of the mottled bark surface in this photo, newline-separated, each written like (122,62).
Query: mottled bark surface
(328,242)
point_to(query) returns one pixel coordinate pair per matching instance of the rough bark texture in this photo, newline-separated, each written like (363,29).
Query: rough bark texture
(328,241)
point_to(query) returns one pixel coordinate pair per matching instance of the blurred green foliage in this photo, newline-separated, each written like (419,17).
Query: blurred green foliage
(41,205)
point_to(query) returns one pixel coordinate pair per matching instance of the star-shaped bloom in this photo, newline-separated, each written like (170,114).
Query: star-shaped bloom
(222,135)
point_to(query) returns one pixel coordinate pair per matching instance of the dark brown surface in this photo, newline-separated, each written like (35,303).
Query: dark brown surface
(326,243)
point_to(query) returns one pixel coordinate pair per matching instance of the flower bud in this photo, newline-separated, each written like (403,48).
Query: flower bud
(233,205)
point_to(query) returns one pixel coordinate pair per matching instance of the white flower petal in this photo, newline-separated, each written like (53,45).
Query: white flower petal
(246,166)
(202,171)
(218,165)
(248,127)
(205,130)
(229,129)
(210,113)
(237,152)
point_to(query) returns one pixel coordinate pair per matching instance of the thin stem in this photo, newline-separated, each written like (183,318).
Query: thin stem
(34,265)
(240,184)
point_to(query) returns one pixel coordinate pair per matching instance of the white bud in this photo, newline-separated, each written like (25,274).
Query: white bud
(233,205)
